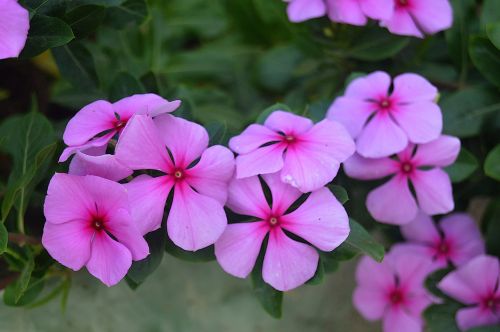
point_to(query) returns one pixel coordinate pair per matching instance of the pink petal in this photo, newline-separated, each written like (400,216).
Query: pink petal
(410,88)
(421,229)
(105,166)
(147,197)
(381,137)
(417,302)
(467,318)
(433,15)
(401,23)
(121,225)
(91,120)
(69,242)
(195,221)
(352,113)
(288,123)
(253,137)
(265,160)
(239,246)
(303,10)
(371,303)
(141,147)
(14,25)
(411,269)
(108,196)
(346,11)
(463,233)
(96,143)
(283,195)
(397,320)
(421,121)
(434,192)
(441,152)
(377,9)
(370,87)
(67,199)
(392,203)
(422,250)
(247,198)
(110,260)
(212,174)
(288,263)
(321,220)
(375,276)
(464,285)
(369,169)
(146,104)
(185,139)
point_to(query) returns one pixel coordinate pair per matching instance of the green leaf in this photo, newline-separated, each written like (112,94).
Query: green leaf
(202,255)
(31,293)
(465,165)
(217,132)
(361,241)
(4,238)
(140,270)
(493,31)
(276,67)
(319,275)
(85,19)
(46,32)
(464,111)
(490,12)
(377,44)
(491,220)
(25,277)
(276,107)
(124,85)
(486,58)
(492,163)
(441,317)
(434,278)
(129,12)
(340,193)
(76,65)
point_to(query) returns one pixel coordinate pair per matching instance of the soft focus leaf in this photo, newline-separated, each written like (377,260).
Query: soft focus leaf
(85,19)
(319,275)
(376,44)
(493,31)
(361,241)
(463,167)
(202,255)
(277,66)
(434,278)
(46,32)
(31,293)
(441,317)
(76,64)
(276,107)
(128,12)
(340,193)
(217,133)
(25,277)
(490,12)
(124,85)
(4,238)
(492,163)
(486,58)
(491,222)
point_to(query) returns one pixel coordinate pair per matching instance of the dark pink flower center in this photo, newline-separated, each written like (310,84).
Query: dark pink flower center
(407,167)
(97,223)
(385,103)
(491,302)
(273,221)
(120,124)
(179,174)
(402,3)
(396,296)
(289,139)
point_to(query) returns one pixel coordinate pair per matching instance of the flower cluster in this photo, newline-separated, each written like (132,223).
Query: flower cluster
(402,17)
(131,155)
(398,134)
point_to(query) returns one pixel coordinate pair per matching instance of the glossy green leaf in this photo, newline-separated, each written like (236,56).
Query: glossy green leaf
(492,163)
(433,280)
(361,241)
(465,165)
(441,317)
(124,85)
(126,13)
(340,193)
(202,255)
(25,277)
(85,19)
(76,65)
(486,58)
(493,31)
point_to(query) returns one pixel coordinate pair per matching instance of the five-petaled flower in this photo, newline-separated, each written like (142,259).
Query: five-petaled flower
(384,123)
(14,26)
(198,176)
(475,284)
(95,124)
(307,155)
(321,221)
(393,202)
(455,239)
(393,290)
(89,224)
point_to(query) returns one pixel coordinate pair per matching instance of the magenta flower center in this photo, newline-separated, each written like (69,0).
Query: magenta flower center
(396,296)
(402,3)
(491,302)
(407,167)
(443,248)
(273,221)
(178,174)
(120,124)
(98,223)
(385,103)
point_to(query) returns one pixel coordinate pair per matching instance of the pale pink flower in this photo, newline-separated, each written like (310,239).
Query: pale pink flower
(475,284)
(393,291)
(419,17)
(307,155)
(455,239)
(95,124)
(303,10)
(14,25)
(418,165)
(383,120)
(89,224)
(197,175)
(357,12)
(320,220)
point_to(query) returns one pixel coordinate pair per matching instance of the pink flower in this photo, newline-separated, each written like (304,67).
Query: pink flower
(307,155)
(476,284)
(89,224)
(197,175)
(14,25)
(383,123)
(321,221)
(455,239)
(95,124)
(357,12)
(393,202)
(303,10)
(419,17)
(393,291)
